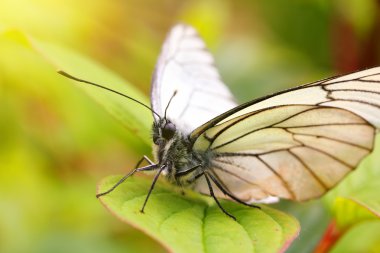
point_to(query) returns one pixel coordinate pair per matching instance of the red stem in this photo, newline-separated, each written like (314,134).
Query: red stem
(329,239)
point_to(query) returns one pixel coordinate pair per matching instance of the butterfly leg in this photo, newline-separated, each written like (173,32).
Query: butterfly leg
(223,189)
(214,197)
(185,172)
(152,166)
(146,159)
(152,186)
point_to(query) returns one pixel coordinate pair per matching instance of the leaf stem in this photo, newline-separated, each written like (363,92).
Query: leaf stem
(330,237)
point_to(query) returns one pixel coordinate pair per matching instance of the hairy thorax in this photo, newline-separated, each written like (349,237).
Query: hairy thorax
(183,164)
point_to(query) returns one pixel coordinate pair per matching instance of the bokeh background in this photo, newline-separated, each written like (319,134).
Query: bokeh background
(56,143)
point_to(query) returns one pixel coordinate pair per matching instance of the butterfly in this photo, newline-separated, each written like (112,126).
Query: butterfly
(295,144)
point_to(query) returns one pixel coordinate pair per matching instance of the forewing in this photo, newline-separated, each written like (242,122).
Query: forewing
(358,92)
(187,68)
(296,152)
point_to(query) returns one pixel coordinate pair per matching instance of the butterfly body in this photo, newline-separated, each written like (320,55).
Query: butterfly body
(172,149)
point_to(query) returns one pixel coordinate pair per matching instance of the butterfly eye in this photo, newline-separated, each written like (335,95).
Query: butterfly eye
(168,131)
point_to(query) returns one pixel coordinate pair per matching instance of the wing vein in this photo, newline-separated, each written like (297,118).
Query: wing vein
(234,175)
(256,130)
(355,90)
(283,181)
(311,172)
(330,124)
(332,139)
(328,154)
(349,100)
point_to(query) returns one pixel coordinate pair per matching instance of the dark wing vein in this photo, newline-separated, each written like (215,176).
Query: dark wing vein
(311,172)
(330,138)
(271,126)
(360,79)
(355,90)
(330,124)
(252,115)
(232,154)
(283,181)
(328,154)
(351,100)
(215,166)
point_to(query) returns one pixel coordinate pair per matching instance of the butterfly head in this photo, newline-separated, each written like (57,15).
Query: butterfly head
(163,131)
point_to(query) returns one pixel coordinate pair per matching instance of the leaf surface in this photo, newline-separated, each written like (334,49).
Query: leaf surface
(194,223)
(133,116)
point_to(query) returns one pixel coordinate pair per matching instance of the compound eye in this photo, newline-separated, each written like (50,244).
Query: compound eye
(168,131)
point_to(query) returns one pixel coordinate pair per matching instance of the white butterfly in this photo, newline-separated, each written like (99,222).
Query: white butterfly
(296,144)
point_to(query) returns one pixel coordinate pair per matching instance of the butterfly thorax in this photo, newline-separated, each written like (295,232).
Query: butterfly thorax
(173,149)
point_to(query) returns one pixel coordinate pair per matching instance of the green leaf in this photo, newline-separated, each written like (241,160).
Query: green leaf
(357,198)
(134,117)
(363,237)
(193,223)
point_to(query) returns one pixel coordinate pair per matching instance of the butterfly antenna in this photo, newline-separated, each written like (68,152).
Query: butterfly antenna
(166,109)
(105,88)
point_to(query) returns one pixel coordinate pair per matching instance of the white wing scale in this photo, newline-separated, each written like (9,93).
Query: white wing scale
(187,67)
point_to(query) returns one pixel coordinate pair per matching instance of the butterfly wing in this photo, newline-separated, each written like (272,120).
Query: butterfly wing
(295,144)
(187,68)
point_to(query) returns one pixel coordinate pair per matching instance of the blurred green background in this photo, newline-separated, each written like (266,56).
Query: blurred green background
(56,143)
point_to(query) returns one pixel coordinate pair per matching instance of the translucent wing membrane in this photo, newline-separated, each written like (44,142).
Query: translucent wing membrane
(358,92)
(295,144)
(185,66)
